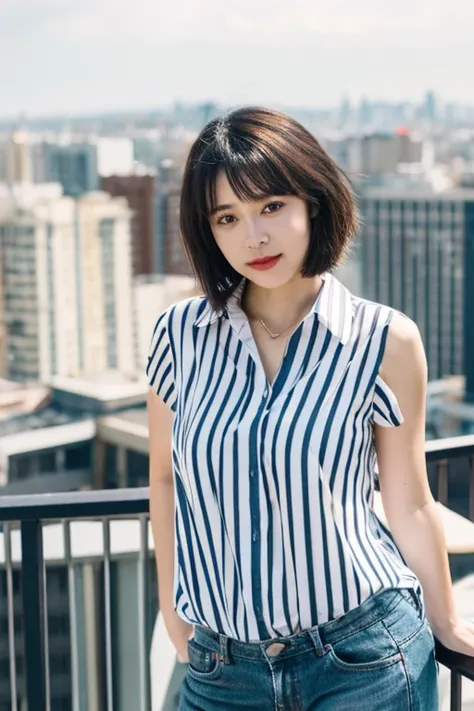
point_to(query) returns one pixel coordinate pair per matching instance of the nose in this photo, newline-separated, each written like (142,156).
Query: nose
(255,235)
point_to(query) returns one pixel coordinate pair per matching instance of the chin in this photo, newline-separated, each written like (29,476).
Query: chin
(265,280)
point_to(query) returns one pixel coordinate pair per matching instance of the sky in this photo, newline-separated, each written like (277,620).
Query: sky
(82,56)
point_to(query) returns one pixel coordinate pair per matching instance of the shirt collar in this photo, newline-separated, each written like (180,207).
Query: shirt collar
(333,307)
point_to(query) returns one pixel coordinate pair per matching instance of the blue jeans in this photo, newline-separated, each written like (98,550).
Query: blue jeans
(377,657)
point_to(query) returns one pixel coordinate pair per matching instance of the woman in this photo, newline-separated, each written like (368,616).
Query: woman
(276,402)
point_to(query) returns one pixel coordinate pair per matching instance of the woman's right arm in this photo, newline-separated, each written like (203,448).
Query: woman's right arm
(160,423)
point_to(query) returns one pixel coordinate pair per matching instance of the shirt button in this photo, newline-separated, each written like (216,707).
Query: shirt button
(255,537)
(252,472)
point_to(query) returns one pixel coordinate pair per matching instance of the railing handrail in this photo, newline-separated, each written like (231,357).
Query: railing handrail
(123,502)
(454,661)
(436,449)
(75,504)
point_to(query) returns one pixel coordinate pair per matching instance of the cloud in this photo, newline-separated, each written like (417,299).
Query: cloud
(151,21)
(20,17)
(71,55)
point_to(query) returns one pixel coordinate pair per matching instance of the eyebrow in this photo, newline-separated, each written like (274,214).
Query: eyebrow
(220,208)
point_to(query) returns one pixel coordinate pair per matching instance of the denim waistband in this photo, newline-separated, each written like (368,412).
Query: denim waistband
(372,610)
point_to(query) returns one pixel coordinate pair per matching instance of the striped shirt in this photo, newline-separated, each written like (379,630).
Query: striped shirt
(274,482)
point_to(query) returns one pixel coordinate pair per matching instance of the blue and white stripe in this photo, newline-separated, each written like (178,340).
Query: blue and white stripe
(275,529)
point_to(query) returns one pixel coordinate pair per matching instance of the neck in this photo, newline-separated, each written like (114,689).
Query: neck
(283,305)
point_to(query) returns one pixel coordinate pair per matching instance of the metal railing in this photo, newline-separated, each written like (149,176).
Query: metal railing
(30,513)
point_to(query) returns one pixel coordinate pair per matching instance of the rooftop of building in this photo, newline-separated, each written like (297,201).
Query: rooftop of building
(448,412)
(36,417)
(395,193)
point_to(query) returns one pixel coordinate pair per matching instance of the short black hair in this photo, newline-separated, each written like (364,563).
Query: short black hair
(262,152)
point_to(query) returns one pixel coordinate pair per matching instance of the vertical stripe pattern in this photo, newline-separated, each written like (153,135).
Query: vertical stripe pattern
(275,529)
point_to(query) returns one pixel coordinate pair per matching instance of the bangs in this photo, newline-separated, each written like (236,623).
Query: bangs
(253,173)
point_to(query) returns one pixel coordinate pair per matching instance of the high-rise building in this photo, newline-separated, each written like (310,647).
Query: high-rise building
(382,153)
(73,165)
(66,284)
(171,258)
(15,158)
(176,260)
(139,190)
(78,164)
(417,254)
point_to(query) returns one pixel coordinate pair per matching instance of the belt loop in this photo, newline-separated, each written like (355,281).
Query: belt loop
(418,598)
(317,641)
(224,649)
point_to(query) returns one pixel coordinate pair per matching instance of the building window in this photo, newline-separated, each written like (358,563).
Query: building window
(24,467)
(58,625)
(137,469)
(107,230)
(47,462)
(78,457)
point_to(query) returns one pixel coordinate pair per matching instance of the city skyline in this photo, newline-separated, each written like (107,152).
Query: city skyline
(67,60)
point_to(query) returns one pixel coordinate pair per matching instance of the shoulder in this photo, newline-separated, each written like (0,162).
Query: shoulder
(404,355)
(397,334)
(373,319)
(380,314)
(401,335)
(181,315)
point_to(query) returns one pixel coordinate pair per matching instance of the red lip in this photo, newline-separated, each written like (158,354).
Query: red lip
(264,260)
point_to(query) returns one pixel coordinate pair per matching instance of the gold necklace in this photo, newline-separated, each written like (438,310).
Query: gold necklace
(270,333)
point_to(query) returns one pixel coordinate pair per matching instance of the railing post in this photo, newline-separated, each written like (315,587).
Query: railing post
(456,691)
(443,482)
(471,488)
(33,614)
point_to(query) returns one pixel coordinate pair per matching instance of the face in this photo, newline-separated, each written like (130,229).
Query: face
(265,241)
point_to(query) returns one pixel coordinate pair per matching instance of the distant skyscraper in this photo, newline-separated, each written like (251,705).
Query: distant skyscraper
(78,164)
(344,111)
(168,251)
(67,284)
(73,165)
(430,106)
(15,158)
(176,261)
(139,190)
(382,153)
(417,255)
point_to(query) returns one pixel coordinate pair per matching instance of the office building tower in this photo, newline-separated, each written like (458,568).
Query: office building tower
(417,255)
(139,190)
(66,282)
(176,260)
(170,257)
(15,158)
(73,165)
(382,153)
(77,164)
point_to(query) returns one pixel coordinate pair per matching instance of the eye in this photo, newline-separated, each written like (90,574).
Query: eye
(219,221)
(278,205)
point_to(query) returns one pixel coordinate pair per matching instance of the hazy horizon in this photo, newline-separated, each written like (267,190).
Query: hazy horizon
(95,56)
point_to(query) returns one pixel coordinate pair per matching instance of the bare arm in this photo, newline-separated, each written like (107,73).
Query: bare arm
(160,423)
(409,505)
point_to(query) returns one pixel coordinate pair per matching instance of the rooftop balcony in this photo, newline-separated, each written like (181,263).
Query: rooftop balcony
(78,596)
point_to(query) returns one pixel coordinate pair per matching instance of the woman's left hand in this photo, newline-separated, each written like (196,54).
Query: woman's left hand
(459,637)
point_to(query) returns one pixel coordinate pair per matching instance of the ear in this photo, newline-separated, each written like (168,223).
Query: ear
(314,210)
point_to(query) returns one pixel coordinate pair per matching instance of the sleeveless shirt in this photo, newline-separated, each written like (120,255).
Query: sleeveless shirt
(274,482)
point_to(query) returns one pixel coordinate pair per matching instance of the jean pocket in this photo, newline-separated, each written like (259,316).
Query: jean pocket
(204,664)
(405,622)
(365,650)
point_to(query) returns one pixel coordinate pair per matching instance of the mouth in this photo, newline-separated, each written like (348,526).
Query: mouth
(265,262)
